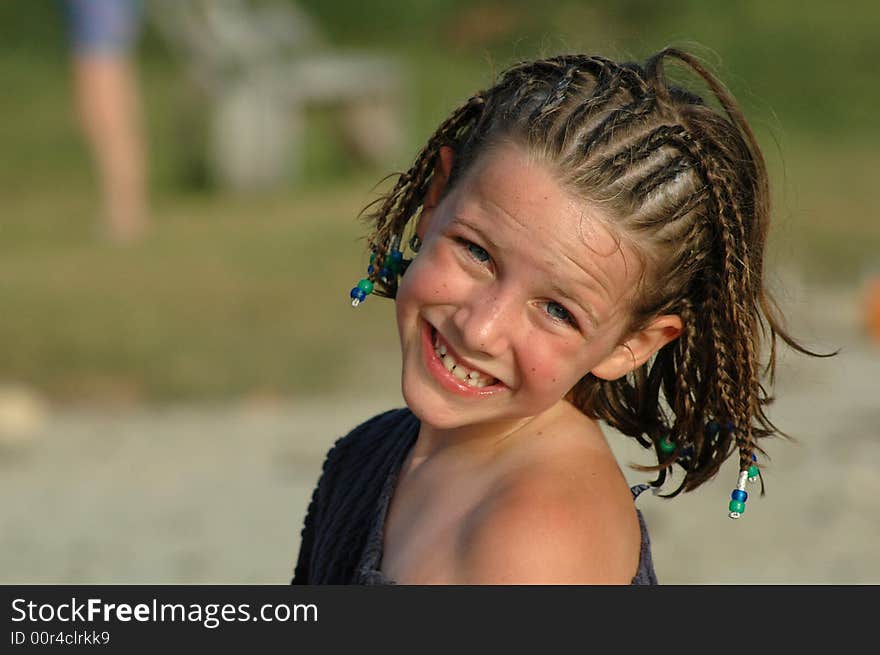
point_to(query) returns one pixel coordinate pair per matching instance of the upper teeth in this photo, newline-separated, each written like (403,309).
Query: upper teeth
(470,377)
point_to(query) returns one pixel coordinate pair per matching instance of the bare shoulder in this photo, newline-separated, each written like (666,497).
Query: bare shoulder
(565,518)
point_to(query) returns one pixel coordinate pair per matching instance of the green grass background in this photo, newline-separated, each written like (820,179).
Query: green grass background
(247,296)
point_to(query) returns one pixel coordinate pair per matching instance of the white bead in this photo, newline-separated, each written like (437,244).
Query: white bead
(734,515)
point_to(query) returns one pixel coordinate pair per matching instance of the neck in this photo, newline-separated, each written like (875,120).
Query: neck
(478,439)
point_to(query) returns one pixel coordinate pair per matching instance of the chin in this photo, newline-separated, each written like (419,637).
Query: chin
(431,412)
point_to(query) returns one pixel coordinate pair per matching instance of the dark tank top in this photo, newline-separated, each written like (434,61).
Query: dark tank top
(343,531)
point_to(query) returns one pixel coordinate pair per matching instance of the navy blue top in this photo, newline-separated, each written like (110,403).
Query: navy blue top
(344,525)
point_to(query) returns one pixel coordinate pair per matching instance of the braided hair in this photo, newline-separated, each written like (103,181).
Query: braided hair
(687,187)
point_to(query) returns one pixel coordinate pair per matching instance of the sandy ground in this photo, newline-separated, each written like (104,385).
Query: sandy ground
(217,495)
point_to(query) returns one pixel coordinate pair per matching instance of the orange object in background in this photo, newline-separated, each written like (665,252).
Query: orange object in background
(872,308)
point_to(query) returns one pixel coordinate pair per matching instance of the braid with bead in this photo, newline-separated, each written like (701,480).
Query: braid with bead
(399,205)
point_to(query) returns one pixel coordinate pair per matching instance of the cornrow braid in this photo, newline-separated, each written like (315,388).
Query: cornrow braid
(641,149)
(747,319)
(734,298)
(670,171)
(700,349)
(616,120)
(607,85)
(555,98)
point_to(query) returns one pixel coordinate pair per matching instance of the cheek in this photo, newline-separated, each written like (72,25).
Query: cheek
(418,288)
(554,365)
(559,365)
(433,277)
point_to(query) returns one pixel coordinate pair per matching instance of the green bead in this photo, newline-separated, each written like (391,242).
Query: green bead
(366,286)
(737,506)
(753,471)
(372,258)
(666,446)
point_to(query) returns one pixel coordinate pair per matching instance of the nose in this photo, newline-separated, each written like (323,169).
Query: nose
(486,322)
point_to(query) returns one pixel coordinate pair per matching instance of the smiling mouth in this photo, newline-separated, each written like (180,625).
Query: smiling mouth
(463,373)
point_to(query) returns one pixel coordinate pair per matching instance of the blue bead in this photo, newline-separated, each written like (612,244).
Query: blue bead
(728,426)
(355,292)
(711,428)
(754,457)
(361,295)
(393,261)
(739,494)
(370,269)
(385,272)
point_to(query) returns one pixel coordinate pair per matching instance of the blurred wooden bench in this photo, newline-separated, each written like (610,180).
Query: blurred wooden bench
(260,65)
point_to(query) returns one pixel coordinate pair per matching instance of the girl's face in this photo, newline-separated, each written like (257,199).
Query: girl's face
(521,287)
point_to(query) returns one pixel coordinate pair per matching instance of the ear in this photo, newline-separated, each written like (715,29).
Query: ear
(638,347)
(439,180)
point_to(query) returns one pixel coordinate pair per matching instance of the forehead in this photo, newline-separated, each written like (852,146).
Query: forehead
(514,199)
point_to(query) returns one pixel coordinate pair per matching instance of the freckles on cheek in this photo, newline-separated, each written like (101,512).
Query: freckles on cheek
(429,288)
(545,371)
(433,286)
(553,365)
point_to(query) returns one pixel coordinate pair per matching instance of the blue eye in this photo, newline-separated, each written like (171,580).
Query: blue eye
(560,313)
(476,252)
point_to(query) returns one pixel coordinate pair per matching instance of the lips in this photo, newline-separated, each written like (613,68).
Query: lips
(458,366)
(443,368)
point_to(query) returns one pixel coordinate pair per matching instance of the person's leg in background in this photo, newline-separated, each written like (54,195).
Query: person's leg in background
(103,34)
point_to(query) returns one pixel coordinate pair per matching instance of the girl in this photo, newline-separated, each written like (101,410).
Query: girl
(587,243)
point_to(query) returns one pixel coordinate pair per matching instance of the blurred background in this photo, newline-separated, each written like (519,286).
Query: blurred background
(178,236)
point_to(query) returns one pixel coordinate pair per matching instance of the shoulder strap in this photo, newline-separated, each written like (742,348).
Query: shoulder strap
(638,489)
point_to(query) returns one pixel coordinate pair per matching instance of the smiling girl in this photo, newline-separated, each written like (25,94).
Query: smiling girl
(587,244)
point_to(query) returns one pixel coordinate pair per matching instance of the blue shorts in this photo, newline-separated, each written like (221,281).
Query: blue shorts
(103,26)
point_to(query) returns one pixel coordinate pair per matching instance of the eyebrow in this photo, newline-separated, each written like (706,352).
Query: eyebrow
(459,220)
(586,308)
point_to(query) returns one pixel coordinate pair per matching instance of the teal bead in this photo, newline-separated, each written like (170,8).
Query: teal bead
(666,446)
(393,262)
(753,471)
(737,506)
(373,258)
(366,286)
